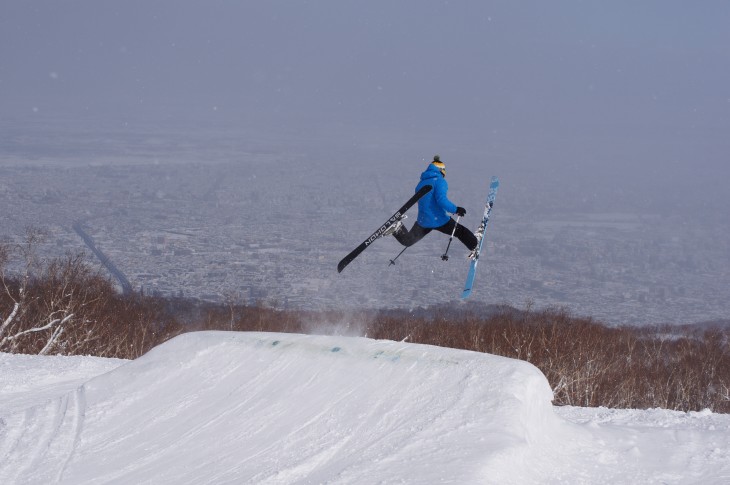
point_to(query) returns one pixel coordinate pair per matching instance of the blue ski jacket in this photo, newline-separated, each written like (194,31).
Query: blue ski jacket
(433,207)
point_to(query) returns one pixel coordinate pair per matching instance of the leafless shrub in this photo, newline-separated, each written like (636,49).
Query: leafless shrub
(64,306)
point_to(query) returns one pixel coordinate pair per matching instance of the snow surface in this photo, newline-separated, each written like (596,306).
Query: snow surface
(223,407)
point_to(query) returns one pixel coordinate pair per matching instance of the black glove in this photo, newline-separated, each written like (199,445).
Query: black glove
(460,211)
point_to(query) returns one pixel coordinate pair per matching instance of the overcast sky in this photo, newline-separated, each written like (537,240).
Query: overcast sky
(636,83)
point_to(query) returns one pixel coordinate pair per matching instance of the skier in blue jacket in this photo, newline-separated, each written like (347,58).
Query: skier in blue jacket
(433,209)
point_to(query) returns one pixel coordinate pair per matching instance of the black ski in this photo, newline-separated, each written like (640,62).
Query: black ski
(394,218)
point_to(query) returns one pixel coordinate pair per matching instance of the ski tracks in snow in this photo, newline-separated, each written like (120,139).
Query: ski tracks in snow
(38,443)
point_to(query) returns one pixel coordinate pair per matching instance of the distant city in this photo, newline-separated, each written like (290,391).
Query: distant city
(246,224)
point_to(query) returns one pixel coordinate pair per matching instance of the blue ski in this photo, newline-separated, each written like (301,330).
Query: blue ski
(480,235)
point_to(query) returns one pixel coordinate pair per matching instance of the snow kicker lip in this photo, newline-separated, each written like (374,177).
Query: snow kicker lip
(258,407)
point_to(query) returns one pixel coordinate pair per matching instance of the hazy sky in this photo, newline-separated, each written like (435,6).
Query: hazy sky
(637,84)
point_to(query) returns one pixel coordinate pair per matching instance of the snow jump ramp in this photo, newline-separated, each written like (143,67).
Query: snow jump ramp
(224,407)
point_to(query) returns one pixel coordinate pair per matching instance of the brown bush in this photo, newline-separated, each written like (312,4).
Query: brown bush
(64,306)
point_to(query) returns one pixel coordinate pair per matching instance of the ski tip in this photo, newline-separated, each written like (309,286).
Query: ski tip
(466,294)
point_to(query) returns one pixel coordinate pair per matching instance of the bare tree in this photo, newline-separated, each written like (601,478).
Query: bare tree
(16,290)
(42,302)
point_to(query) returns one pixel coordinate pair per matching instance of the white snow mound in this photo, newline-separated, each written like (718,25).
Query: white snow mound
(223,407)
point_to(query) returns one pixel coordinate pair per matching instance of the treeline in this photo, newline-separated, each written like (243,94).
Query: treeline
(66,307)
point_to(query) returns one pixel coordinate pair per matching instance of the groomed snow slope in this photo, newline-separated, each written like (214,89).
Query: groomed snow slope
(216,407)
(273,408)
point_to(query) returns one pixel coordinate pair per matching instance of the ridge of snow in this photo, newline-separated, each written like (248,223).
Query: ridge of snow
(258,407)
(224,407)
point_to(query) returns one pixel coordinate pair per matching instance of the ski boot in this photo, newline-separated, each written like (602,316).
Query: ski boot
(393,228)
(479,233)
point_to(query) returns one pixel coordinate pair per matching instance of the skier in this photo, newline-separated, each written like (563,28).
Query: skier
(433,209)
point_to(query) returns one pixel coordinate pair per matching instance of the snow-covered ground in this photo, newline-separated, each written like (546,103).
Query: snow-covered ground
(216,407)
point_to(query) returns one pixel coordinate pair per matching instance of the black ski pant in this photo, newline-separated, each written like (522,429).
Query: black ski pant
(418,232)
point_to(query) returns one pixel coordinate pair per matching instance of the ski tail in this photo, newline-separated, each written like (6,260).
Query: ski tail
(379,233)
